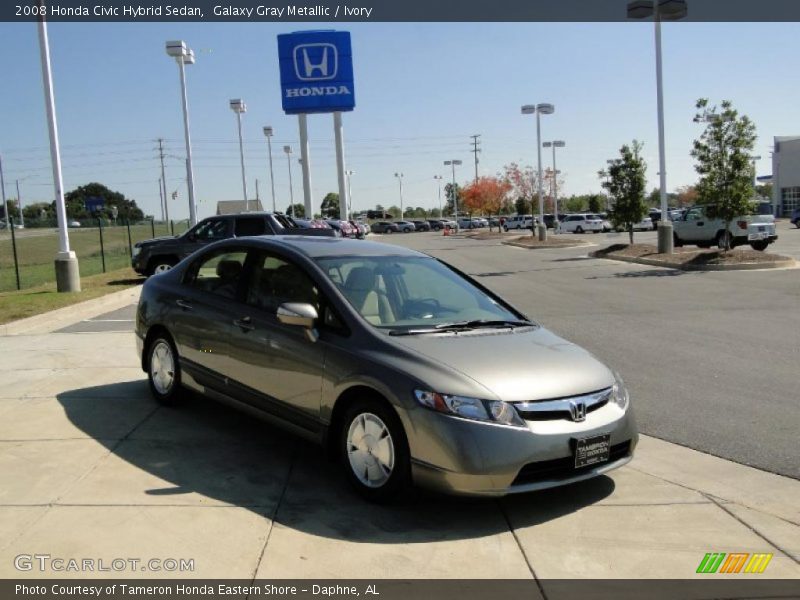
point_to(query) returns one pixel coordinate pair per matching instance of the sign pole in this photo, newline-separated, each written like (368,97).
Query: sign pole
(339,136)
(305,160)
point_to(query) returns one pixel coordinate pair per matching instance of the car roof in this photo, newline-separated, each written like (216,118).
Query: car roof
(318,247)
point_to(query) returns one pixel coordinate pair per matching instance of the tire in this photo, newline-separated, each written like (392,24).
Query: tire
(505,228)
(387,230)
(161,264)
(579,229)
(163,370)
(759,245)
(676,241)
(374,451)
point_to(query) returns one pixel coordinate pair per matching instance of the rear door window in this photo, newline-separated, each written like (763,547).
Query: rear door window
(250,226)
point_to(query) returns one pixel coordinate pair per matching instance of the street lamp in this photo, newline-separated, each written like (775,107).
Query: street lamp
(288,151)
(349,195)
(184,55)
(400,179)
(438,178)
(454,163)
(753,160)
(539,109)
(238,106)
(268,135)
(660,10)
(555,144)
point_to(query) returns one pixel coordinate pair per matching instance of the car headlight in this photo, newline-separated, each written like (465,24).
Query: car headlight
(136,251)
(619,393)
(492,411)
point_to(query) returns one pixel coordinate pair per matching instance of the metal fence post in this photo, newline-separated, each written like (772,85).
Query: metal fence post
(102,249)
(10,223)
(130,243)
(153,226)
(172,226)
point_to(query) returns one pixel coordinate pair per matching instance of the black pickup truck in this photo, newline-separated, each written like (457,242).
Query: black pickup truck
(161,254)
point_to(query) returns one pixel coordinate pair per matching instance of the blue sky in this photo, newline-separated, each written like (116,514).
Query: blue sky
(421,91)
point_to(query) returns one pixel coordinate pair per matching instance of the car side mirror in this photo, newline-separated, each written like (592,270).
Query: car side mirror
(299,314)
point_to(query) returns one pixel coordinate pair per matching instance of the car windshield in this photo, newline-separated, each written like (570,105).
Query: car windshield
(414,294)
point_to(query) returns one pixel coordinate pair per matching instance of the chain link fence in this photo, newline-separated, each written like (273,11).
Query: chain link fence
(27,254)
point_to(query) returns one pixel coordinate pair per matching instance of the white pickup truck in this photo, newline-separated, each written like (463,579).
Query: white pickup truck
(695,228)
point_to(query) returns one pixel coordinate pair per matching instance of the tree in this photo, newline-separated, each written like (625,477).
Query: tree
(394,210)
(654,198)
(575,204)
(722,156)
(596,203)
(523,206)
(296,210)
(330,205)
(448,194)
(763,190)
(686,195)
(626,184)
(486,195)
(524,183)
(75,202)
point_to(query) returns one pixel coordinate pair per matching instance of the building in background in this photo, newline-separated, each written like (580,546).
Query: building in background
(786,175)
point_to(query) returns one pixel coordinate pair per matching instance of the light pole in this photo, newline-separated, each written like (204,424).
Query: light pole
(660,10)
(184,55)
(438,179)
(288,151)
(539,109)
(555,144)
(19,206)
(238,106)
(400,179)
(753,160)
(349,195)
(268,134)
(454,163)
(68,277)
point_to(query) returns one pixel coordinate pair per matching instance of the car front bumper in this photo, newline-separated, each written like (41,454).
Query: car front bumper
(466,457)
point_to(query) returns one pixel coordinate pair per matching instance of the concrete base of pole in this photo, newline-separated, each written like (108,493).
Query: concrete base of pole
(665,241)
(68,276)
(541,230)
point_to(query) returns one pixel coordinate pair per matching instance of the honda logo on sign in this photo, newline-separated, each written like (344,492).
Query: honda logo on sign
(315,62)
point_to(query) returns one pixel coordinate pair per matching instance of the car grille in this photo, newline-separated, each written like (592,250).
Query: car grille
(551,410)
(564,468)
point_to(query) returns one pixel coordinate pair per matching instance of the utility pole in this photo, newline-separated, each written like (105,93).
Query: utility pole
(161,197)
(163,179)
(475,149)
(19,206)
(258,197)
(3,187)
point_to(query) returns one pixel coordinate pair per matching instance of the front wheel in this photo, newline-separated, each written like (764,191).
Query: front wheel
(579,229)
(759,245)
(163,370)
(676,241)
(374,451)
(161,264)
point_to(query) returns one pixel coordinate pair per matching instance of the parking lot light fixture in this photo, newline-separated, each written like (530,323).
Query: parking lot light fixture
(268,134)
(660,10)
(400,179)
(454,163)
(539,109)
(438,179)
(239,107)
(184,55)
(288,151)
(555,144)
(753,161)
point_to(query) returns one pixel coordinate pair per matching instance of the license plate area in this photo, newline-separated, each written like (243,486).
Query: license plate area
(592,450)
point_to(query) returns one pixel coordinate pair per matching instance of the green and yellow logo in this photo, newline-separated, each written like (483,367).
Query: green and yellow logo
(734,562)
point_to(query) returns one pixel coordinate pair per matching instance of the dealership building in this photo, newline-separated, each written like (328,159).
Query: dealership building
(786,175)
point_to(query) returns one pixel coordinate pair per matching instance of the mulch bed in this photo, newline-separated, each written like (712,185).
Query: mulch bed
(552,241)
(688,258)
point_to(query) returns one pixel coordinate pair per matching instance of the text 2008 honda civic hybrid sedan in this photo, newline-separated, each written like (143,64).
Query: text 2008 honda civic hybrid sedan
(403,366)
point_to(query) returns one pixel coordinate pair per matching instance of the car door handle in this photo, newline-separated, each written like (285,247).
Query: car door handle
(183,304)
(244,323)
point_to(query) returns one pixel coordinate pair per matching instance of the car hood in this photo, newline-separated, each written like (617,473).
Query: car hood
(515,365)
(158,240)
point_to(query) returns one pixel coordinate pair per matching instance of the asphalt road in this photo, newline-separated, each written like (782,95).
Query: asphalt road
(711,359)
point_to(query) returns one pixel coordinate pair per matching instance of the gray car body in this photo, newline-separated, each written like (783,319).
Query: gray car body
(307,393)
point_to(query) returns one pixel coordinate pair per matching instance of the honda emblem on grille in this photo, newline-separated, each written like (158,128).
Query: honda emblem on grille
(577,409)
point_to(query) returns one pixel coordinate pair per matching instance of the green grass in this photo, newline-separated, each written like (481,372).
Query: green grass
(37,300)
(36,250)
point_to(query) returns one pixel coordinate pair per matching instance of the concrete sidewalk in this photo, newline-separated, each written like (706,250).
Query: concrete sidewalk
(91,467)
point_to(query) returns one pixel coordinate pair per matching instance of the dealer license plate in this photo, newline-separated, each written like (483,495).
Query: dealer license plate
(592,450)
(761,235)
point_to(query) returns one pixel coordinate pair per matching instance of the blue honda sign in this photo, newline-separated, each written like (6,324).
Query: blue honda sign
(316,72)
(94,203)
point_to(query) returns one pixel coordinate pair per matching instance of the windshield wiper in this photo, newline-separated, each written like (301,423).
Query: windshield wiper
(463,326)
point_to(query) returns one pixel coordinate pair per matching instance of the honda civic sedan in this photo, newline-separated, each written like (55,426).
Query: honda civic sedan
(406,369)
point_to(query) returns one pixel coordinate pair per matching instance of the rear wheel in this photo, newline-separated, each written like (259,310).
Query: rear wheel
(374,451)
(759,245)
(579,229)
(163,370)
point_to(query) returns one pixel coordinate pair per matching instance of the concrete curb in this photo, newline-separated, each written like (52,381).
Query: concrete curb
(61,317)
(781,264)
(527,247)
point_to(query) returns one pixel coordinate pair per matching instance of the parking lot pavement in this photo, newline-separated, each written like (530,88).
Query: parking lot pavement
(91,467)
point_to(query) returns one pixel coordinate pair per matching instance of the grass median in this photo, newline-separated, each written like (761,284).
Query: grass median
(44,298)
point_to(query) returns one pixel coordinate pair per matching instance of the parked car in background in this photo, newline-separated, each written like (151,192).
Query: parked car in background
(74,224)
(161,254)
(582,223)
(696,228)
(421,225)
(405,226)
(344,227)
(384,227)
(795,219)
(605,223)
(655,217)
(361,229)
(378,214)
(519,222)
(646,224)
(407,370)
(480,221)
(312,224)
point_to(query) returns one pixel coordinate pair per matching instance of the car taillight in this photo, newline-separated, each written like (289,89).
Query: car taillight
(742,224)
